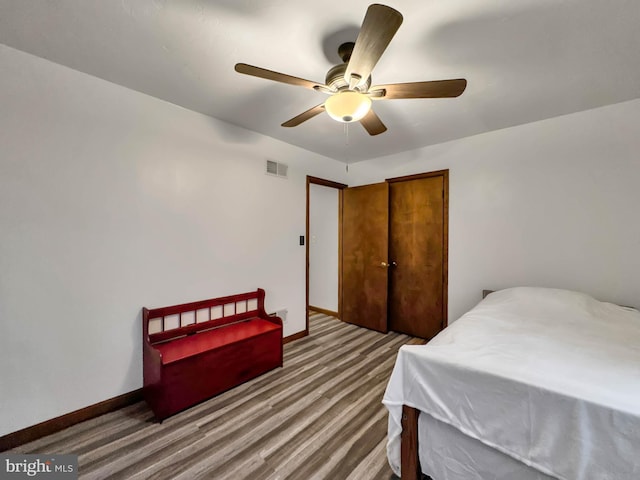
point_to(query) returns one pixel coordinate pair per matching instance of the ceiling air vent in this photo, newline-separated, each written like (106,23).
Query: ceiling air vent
(277,169)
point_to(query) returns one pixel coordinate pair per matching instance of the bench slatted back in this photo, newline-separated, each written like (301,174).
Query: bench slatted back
(240,301)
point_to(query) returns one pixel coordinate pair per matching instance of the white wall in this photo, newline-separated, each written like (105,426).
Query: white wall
(553,203)
(323,247)
(111,200)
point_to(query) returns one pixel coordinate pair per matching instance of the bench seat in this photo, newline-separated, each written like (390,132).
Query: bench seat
(201,342)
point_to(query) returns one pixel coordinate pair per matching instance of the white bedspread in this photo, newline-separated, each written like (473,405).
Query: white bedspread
(549,377)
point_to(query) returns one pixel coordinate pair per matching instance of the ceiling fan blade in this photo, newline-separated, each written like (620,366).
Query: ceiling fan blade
(275,76)
(372,123)
(433,89)
(304,116)
(379,26)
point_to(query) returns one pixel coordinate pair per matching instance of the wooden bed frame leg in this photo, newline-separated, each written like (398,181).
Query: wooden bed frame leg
(409,460)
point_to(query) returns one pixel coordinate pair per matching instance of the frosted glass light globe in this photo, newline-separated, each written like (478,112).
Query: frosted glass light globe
(347,106)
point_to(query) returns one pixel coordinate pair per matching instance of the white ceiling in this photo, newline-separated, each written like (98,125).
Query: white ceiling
(524,61)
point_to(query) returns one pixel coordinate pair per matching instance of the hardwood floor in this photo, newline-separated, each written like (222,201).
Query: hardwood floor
(318,417)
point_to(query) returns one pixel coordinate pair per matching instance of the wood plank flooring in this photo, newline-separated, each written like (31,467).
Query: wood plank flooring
(318,417)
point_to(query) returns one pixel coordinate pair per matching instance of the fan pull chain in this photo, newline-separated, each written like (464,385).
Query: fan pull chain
(346,145)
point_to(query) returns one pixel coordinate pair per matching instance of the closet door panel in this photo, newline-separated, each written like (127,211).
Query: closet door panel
(417,246)
(365,247)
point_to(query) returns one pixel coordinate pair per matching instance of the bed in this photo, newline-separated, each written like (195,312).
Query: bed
(531,384)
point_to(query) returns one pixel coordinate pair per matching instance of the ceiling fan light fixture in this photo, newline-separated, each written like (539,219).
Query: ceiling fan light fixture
(348,106)
(349,83)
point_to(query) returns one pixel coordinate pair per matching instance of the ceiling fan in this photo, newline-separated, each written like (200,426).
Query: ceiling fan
(349,83)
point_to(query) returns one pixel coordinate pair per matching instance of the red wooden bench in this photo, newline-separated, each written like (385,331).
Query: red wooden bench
(194,351)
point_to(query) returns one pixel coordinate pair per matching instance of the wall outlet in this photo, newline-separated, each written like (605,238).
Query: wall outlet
(280,313)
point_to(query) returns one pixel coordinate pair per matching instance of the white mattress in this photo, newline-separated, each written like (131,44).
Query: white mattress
(548,377)
(448,454)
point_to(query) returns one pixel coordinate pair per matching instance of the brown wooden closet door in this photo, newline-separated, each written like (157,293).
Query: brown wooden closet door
(417,246)
(365,246)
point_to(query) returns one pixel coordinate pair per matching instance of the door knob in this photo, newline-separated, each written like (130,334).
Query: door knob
(394,264)
(384,264)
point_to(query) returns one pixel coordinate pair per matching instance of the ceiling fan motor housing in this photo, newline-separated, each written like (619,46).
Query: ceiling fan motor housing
(336,81)
(335,78)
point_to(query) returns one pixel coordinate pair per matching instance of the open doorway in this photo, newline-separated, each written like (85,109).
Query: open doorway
(323,234)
